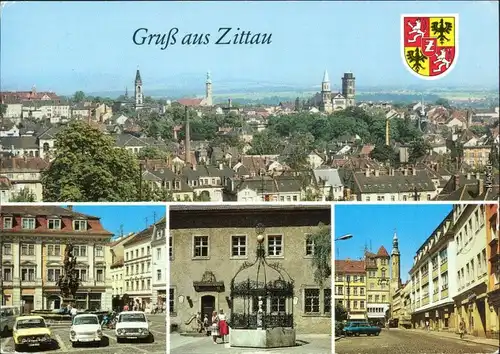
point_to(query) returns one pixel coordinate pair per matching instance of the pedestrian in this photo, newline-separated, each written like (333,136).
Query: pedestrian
(73,313)
(215,327)
(427,325)
(461,328)
(223,327)
(205,323)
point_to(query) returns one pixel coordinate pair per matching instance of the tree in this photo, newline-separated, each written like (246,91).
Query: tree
(418,149)
(443,102)
(322,258)
(79,96)
(383,153)
(87,167)
(340,313)
(151,152)
(3,109)
(24,195)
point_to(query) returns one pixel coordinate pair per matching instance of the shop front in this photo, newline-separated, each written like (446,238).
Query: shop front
(471,307)
(494,304)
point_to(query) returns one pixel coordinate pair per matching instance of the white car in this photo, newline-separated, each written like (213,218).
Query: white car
(132,325)
(85,329)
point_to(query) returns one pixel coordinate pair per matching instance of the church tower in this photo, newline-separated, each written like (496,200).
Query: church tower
(208,91)
(326,94)
(349,88)
(139,95)
(395,264)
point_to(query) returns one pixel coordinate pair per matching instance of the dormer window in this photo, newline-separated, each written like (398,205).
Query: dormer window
(177,184)
(7,222)
(28,223)
(80,225)
(54,224)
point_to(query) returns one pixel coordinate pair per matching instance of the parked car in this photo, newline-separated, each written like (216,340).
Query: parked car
(85,328)
(356,329)
(133,325)
(8,316)
(31,331)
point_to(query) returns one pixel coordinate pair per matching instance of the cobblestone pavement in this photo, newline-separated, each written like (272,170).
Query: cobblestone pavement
(409,342)
(310,344)
(61,333)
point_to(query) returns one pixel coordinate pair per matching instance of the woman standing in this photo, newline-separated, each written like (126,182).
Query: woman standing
(223,327)
(215,326)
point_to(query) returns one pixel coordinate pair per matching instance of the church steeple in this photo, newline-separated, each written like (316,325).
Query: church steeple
(395,264)
(395,244)
(139,95)
(208,90)
(326,94)
(138,79)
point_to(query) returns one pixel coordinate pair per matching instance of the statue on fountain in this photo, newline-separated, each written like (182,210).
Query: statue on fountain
(68,282)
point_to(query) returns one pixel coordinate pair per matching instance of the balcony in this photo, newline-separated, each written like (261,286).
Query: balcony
(425,279)
(435,273)
(444,267)
(444,293)
(435,297)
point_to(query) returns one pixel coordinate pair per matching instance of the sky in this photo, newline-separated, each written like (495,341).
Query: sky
(73,45)
(375,225)
(134,218)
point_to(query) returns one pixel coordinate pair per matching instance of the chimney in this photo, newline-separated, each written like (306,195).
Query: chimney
(469,175)
(367,172)
(377,173)
(221,166)
(457,181)
(480,186)
(414,171)
(187,143)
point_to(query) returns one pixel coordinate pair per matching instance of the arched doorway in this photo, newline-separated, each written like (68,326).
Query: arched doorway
(54,302)
(207,306)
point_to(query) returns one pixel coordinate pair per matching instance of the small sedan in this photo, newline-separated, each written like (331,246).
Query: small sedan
(356,329)
(31,331)
(85,329)
(133,325)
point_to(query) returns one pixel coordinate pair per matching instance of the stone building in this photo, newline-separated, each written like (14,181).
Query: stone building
(208,244)
(329,102)
(33,241)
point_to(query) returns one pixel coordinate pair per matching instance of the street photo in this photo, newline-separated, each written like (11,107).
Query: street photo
(83,278)
(249,101)
(415,279)
(250,279)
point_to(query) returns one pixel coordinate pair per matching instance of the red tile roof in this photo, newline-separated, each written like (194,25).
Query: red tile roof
(190,102)
(382,252)
(349,266)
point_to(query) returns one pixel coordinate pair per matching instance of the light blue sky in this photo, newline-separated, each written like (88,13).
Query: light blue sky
(375,224)
(83,45)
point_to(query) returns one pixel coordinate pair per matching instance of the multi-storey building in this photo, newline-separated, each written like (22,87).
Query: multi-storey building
(117,268)
(159,259)
(209,244)
(493,255)
(350,287)
(138,268)
(471,268)
(404,318)
(33,241)
(432,291)
(378,285)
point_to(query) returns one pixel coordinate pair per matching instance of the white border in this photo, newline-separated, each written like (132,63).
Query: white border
(402,49)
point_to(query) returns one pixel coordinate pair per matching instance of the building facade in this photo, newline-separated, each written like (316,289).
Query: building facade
(33,240)
(208,244)
(378,285)
(117,269)
(493,256)
(159,259)
(350,288)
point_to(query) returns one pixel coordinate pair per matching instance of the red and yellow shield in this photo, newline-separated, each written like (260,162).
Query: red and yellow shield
(429,44)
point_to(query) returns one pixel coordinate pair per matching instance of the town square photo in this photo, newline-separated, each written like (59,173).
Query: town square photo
(232,103)
(250,278)
(419,278)
(72,274)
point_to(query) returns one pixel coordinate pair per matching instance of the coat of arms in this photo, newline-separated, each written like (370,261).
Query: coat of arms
(429,44)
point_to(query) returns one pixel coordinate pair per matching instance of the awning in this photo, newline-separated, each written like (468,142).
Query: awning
(357,317)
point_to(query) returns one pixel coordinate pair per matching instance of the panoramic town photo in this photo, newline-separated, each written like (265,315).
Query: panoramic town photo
(158,109)
(250,279)
(417,279)
(83,279)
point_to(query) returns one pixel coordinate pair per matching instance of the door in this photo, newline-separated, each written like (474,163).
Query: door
(28,303)
(207,307)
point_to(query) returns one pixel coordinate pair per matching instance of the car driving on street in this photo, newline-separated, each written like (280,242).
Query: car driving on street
(358,328)
(31,331)
(133,325)
(85,329)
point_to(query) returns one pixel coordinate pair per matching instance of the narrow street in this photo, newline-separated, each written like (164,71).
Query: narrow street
(396,341)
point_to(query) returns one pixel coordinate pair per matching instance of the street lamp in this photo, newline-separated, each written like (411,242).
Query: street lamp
(344,237)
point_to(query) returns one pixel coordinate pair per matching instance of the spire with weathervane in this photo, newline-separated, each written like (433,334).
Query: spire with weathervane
(208,90)
(139,94)
(395,264)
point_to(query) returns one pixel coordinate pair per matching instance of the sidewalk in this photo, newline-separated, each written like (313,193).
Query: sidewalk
(468,338)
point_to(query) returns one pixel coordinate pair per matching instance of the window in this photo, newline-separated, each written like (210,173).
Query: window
(383,298)
(28,274)
(7,274)
(238,246)
(28,223)
(53,274)
(99,275)
(80,225)
(170,247)
(309,245)
(7,223)
(158,253)
(53,250)
(148,284)
(82,274)
(7,249)
(171,300)
(200,247)
(361,291)
(277,304)
(361,304)
(126,271)
(383,274)
(158,274)
(126,256)
(311,300)
(27,250)
(148,250)
(80,251)
(327,298)
(275,245)
(99,251)
(142,252)
(54,224)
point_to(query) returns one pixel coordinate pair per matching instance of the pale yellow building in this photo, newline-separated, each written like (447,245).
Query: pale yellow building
(378,285)
(350,288)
